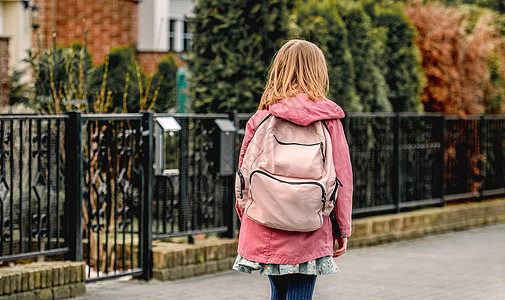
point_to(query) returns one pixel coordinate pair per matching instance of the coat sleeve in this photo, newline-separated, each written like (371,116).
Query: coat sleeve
(249,132)
(343,168)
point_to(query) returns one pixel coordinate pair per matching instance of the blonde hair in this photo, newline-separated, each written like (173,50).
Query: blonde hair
(298,67)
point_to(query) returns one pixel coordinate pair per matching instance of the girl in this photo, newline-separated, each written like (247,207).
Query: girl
(296,91)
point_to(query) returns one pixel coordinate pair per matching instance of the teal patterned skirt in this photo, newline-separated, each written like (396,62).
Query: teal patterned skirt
(320,266)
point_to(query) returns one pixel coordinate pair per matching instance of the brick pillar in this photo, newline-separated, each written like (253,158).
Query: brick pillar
(4,70)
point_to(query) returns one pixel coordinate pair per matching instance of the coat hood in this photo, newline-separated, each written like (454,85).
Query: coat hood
(303,111)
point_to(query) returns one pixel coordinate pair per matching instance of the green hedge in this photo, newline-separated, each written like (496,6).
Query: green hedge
(233,44)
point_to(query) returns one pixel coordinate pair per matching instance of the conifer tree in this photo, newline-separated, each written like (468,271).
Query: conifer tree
(367,46)
(319,22)
(404,75)
(233,44)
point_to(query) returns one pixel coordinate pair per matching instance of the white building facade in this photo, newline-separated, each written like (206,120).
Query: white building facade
(163,25)
(15,24)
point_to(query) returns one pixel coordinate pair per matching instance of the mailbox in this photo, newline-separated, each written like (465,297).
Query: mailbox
(226,159)
(163,124)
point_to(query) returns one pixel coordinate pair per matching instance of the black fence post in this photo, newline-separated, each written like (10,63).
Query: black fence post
(396,162)
(184,213)
(443,137)
(146,250)
(73,185)
(229,194)
(482,150)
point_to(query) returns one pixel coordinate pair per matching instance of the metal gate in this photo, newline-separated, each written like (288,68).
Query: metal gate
(116,192)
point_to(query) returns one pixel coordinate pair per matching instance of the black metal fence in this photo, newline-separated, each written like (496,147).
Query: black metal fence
(84,185)
(397,161)
(404,160)
(475,157)
(196,198)
(32,198)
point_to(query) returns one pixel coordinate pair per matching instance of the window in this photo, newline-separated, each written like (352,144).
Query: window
(171,35)
(187,37)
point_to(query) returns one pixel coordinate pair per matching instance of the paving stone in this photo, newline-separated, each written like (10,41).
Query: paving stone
(61,292)
(43,278)
(211,267)
(189,256)
(9,297)
(66,274)
(77,289)
(15,282)
(188,271)
(36,279)
(200,255)
(43,294)
(161,274)
(72,273)
(210,253)
(49,278)
(55,276)
(457,265)
(61,275)
(26,296)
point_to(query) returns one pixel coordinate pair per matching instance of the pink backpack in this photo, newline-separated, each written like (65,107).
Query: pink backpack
(287,180)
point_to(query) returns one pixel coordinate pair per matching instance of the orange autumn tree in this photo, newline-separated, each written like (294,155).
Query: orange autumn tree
(463,61)
(455,58)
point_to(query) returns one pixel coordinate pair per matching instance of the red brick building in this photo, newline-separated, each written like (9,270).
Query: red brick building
(110,24)
(153,27)
(4,70)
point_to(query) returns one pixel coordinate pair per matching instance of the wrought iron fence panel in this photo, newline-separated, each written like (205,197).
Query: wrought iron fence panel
(192,200)
(371,140)
(32,197)
(494,153)
(463,157)
(166,205)
(421,159)
(113,195)
(205,185)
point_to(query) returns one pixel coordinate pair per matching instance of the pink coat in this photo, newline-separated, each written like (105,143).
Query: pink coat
(266,245)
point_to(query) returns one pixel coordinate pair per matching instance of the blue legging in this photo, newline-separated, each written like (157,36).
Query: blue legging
(292,287)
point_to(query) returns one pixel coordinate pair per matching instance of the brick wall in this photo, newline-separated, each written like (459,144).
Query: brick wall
(149,60)
(4,70)
(110,24)
(43,280)
(47,20)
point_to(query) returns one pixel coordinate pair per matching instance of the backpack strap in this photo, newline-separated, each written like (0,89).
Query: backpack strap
(325,126)
(261,123)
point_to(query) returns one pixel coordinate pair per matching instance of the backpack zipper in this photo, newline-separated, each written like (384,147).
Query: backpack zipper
(242,184)
(322,152)
(333,198)
(293,182)
(299,144)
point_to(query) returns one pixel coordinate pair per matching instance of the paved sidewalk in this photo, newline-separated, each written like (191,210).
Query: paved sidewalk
(460,265)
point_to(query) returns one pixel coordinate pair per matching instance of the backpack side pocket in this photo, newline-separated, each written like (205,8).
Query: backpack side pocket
(241,194)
